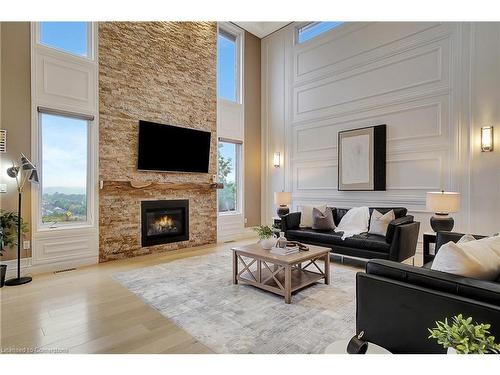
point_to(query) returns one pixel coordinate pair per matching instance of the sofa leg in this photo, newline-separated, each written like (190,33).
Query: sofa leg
(413,261)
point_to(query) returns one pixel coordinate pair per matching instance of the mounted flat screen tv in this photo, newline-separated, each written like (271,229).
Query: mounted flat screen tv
(168,148)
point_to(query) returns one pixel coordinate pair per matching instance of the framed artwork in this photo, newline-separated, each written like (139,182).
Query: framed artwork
(362,157)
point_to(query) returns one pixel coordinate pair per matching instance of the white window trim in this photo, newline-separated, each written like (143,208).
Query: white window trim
(91,45)
(90,194)
(238,33)
(70,245)
(239,178)
(93,134)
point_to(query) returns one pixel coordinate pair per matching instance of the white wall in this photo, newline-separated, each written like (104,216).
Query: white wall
(433,84)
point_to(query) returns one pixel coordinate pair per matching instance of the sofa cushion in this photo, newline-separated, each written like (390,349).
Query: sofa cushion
(308,235)
(368,241)
(365,241)
(480,290)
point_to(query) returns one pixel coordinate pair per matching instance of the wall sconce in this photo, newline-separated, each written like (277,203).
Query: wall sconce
(487,138)
(276,160)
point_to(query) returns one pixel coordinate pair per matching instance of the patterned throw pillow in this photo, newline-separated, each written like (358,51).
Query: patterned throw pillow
(322,220)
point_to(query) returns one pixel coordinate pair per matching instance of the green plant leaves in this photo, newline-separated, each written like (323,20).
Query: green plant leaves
(464,336)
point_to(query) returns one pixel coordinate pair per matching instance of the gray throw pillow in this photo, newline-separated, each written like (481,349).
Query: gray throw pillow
(322,220)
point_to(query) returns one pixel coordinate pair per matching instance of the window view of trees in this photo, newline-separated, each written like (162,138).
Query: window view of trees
(64,169)
(228,197)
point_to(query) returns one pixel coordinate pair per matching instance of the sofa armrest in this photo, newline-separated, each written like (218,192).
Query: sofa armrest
(404,243)
(391,229)
(290,221)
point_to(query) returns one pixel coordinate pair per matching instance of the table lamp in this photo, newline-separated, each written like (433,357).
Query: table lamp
(282,199)
(442,203)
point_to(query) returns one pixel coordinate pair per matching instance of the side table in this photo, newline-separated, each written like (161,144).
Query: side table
(429,237)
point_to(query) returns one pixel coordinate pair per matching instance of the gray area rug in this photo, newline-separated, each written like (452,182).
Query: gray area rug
(198,295)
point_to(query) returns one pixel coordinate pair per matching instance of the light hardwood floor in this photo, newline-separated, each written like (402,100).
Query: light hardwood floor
(86,311)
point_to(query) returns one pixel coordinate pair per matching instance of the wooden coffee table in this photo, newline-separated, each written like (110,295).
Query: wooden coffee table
(280,274)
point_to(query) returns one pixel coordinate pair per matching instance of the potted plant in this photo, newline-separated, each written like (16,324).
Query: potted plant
(8,236)
(266,236)
(464,337)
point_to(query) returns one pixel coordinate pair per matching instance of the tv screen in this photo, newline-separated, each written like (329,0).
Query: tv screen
(170,148)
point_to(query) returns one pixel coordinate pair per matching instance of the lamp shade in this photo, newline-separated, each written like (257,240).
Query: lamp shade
(282,198)
(443,202)
(26,164)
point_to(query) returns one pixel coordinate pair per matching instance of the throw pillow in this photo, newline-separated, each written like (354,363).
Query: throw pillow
(379,222)
(479,259)
(306,217)
(466,238)
(323,220)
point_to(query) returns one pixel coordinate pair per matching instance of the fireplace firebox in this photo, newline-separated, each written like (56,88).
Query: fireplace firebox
(164,221)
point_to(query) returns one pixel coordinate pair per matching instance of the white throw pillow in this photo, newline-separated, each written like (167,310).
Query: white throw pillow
(466,238)
(306,218)
(479,259)
(379,222)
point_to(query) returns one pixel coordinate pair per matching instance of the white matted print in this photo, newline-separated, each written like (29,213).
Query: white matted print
(356,159)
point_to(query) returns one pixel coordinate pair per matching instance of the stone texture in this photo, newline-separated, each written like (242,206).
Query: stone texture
(163,72)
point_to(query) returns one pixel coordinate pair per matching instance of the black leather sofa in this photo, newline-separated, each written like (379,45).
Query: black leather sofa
(397,303)
(398,244)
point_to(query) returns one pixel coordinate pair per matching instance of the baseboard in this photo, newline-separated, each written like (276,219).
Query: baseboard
(241,235)
(27,268)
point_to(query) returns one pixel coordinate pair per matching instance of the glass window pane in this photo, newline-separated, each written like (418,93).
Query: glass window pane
(70,37)
(228,175)
(314,29)
(227,67)
(64,169)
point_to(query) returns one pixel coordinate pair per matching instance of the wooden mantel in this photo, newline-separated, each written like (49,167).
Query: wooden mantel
(131,184)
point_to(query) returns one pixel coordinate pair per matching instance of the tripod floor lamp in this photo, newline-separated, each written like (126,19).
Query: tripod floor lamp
(23,173)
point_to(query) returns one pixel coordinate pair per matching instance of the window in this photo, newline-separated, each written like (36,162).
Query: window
(64,155)
(229,160)
(227,66)
(71,37)
(314,29)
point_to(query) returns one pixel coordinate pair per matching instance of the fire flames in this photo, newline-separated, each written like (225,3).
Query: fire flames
(164,224)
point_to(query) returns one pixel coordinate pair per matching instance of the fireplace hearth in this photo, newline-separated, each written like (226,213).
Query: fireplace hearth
(164,221)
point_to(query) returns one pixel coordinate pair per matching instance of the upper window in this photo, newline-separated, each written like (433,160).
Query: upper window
(313,29)
(227,66)
(64,155)
(71,37)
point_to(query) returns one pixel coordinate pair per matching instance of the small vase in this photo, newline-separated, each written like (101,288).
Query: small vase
(268,243)
(451,351)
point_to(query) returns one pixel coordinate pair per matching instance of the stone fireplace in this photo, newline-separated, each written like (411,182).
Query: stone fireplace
(163,72)
(164,221)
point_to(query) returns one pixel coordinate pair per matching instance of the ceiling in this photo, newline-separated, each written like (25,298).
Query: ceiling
(261,29)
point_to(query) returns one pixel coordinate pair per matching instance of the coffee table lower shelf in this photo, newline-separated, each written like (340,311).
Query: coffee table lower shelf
(300,279)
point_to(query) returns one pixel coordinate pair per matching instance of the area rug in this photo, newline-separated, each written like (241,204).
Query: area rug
(198,295)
